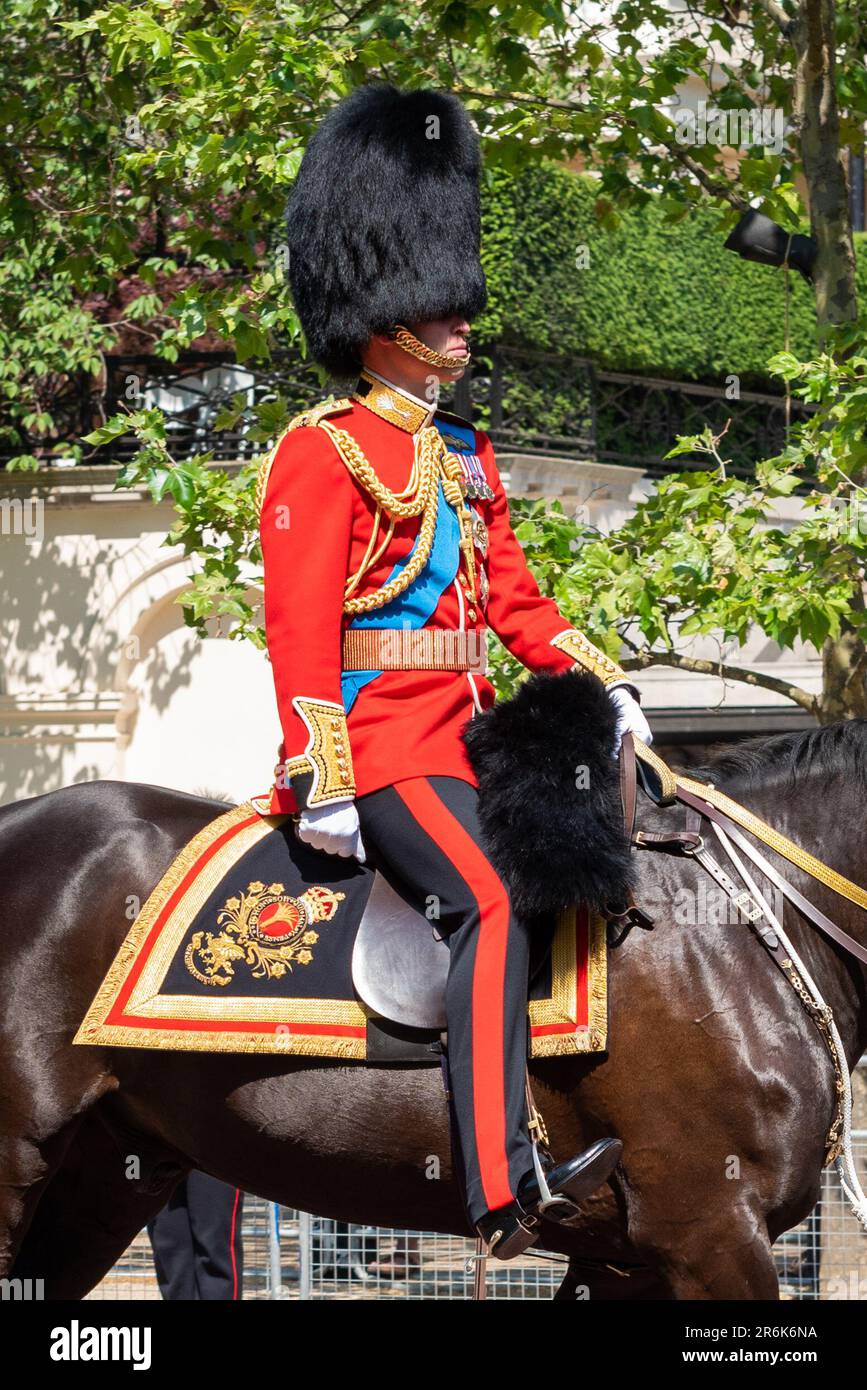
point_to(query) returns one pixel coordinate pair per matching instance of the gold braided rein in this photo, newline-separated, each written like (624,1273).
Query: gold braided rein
(801,858)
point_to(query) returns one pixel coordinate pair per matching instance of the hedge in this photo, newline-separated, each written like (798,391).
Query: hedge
(656,298)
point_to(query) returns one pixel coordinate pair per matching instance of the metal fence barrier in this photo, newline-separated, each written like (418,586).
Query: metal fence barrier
(291,1255)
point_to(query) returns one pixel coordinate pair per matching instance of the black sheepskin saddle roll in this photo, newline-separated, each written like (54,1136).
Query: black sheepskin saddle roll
(549,793)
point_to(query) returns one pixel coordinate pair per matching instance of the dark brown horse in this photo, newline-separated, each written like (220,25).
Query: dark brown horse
(716,1079)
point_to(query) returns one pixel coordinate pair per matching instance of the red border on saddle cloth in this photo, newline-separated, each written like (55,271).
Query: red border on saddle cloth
(118,1017)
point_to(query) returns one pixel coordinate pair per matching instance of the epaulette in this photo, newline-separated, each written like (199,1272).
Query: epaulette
(312,416)
(317,413)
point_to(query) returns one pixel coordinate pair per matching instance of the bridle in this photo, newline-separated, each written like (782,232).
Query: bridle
(705,802)
(726,819)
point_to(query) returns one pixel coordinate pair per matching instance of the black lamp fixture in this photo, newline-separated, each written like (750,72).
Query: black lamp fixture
(757,238)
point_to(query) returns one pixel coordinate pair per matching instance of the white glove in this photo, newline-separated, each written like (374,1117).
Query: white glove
(333,828)
(630,717)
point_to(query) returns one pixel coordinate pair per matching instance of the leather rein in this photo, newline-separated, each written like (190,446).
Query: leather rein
(703,800)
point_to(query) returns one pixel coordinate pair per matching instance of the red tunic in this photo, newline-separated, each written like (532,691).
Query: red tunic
(316,524)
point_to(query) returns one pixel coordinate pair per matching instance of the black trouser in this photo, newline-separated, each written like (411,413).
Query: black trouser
(197,1240)
(424,834)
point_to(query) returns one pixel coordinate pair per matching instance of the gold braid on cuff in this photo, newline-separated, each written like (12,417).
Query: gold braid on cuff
(576,645)
(327,753)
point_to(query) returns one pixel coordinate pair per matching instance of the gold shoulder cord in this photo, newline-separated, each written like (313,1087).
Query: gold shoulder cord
(432,463)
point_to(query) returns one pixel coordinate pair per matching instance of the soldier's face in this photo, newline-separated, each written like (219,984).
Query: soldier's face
(448,336)
(445,335)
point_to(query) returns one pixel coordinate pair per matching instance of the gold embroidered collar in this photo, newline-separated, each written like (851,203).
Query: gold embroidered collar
(392,403)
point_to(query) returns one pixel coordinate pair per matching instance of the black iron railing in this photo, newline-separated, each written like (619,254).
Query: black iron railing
(546,404)
(536,402)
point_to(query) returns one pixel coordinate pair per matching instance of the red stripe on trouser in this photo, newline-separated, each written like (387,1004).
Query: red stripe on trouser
(489,975)
(232,1237)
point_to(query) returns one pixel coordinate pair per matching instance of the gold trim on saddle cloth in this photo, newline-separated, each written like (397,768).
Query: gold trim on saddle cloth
(554,1027)
(113,1020)
(129,1009)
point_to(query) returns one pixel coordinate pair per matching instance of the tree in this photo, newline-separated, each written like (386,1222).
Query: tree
(156,142)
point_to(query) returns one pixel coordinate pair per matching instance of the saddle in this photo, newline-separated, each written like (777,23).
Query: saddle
(254,942)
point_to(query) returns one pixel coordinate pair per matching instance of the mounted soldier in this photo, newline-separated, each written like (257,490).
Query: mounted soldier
(388,556)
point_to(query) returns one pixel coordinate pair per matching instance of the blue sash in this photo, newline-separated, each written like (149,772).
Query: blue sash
(413,607)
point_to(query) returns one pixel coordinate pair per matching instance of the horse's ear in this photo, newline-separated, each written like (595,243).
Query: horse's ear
(549,795)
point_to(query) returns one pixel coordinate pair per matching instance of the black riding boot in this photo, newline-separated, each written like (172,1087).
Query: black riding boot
(511,1230)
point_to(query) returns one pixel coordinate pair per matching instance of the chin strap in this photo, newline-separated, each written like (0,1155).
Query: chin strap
(416,348)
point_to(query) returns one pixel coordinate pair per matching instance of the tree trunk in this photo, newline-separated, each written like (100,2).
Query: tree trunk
(818,120)
(844,678)
(844,659)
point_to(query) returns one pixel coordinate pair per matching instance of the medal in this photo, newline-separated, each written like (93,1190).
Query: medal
(478,486)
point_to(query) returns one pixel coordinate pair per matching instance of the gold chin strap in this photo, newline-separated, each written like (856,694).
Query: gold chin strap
(411,344)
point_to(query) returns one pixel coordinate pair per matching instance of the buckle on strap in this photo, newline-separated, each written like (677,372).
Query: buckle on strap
(747,906)
(670,842)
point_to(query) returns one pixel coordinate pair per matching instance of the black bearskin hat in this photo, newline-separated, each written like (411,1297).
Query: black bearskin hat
(383,221)
(555,842)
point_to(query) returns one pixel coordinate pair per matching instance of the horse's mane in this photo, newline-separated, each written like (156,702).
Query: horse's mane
(782,761)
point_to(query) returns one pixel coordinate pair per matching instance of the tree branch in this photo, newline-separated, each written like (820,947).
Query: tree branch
(791,692)
(718,188)
(784,22)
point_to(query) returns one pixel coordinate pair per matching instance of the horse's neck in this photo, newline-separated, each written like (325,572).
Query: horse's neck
(820,824)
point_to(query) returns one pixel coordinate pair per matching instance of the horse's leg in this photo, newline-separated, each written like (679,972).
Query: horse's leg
(26,1167)
(724,1253)
(90,1213)
(610,1283)
(724,1275)
(37,1125)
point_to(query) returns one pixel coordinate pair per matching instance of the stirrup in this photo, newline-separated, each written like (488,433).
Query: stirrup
(552,1206)
(509,1232)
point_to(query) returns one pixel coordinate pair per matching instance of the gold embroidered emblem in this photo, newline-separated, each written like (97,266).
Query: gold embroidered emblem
(264,929)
